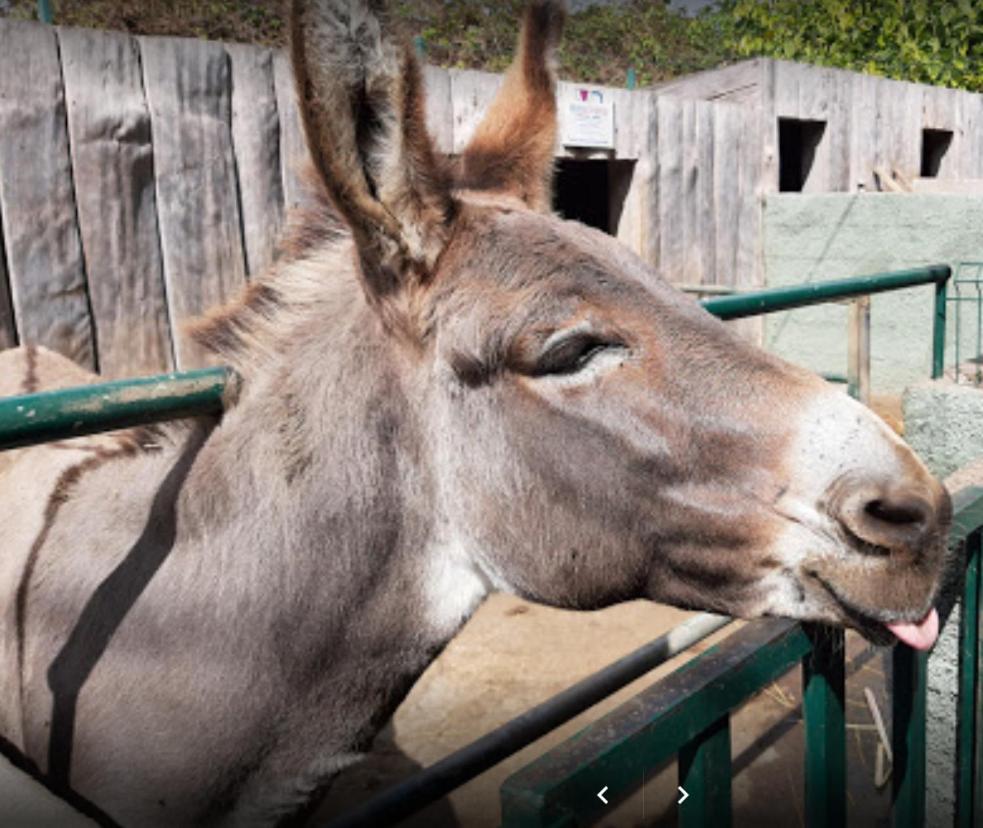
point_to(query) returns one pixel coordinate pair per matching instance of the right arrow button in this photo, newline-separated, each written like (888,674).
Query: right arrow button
(684,796)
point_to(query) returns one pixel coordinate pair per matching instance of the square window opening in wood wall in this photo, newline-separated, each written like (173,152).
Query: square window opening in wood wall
(798,140)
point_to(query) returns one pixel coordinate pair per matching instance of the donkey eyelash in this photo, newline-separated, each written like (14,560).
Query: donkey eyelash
(571,354)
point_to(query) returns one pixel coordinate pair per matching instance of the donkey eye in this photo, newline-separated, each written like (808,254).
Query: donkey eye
(570,354)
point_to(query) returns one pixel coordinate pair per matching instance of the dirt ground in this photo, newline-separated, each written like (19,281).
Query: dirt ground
(513,655)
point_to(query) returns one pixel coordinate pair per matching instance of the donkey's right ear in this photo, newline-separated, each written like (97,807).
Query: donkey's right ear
(361,101)
(512,148)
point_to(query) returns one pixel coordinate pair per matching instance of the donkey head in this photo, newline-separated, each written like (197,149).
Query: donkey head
(593,435)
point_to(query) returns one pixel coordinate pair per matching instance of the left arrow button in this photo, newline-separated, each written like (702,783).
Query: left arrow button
(600,794)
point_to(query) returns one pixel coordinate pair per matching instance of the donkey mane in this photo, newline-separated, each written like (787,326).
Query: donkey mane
(251,329)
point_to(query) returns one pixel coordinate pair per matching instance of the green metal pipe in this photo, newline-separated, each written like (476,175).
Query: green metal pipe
(823,694)
(938,329)
(908,701)
(741,305)
(73,412)
(967,714)
(88,409)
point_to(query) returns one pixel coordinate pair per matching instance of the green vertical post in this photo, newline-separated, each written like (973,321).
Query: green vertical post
(909,668)
(938,330)
(967,715)
(45,14)
(823,679)
(631,80)
(705,774)
(977,747)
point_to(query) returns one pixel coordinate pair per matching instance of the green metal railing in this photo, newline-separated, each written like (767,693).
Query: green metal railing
(73,412)
(690,714)
(687,714)
(967,294)
(89,409)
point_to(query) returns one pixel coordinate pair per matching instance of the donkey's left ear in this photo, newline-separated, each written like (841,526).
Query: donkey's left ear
(362,106)
(512,148)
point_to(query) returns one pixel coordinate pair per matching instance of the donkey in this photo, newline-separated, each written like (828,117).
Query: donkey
(444,390)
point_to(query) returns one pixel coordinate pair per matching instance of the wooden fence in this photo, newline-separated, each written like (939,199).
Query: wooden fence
(143,180)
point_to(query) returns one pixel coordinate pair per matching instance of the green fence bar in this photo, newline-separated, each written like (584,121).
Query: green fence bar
(938,330)
(614,751)
(967,715)
(126,403)
(88,409)
(705,775)
(740,305)
(908,692)
(823,693)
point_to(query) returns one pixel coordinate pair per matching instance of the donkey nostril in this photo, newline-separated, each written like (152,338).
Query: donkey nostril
(888,521)
(900,513)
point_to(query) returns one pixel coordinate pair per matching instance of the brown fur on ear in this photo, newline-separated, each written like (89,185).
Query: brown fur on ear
(361,102)
(512,148)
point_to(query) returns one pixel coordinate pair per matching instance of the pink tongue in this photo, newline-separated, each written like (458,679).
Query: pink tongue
(919,636)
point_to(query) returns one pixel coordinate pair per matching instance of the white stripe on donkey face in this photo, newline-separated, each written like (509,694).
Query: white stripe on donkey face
(444,388)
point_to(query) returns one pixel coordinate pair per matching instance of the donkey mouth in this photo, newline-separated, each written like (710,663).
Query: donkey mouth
(919,634)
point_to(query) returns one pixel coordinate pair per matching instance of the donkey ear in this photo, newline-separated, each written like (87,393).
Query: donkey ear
(512,148)
(361,102)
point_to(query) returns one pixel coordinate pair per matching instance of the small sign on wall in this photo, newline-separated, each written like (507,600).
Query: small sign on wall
(587,118)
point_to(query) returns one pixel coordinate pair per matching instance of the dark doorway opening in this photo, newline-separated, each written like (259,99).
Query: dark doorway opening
(592,191)
(935,144)
(798,140)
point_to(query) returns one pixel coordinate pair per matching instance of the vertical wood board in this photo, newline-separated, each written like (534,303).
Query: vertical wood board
(113,162)
(37,202)
(188,90)
(295,158)
(669,112)
(256,142)
(8,325)
(440,116)
(471,95)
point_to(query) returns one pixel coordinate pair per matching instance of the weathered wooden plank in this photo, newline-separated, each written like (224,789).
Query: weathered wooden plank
(726,194)
(188,90)
(8,325)
(669,112)
(864,130)
(256,141)
(687,268)
(749,270)
(113,161)
(634,220)
(740,83)
(295,158)
(965,156)
(705,263)
(44,255)
(471,95)
(440,115)
(838,134)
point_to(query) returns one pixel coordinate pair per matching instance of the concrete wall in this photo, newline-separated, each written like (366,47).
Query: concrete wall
(812,238)
(944,424)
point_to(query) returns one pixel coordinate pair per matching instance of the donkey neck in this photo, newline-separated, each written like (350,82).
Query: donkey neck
(320,476)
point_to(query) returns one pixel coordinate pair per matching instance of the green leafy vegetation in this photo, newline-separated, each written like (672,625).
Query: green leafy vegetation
(928,41)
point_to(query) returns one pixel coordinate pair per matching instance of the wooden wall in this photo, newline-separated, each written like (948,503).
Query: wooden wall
(142,180)
(871,121)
